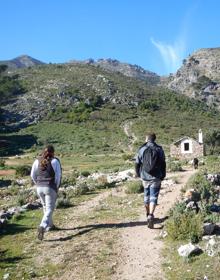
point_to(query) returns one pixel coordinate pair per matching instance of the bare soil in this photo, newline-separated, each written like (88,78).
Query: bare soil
(7,172)
(140,252)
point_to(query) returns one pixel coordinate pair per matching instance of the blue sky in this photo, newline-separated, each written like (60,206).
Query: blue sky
(156,35)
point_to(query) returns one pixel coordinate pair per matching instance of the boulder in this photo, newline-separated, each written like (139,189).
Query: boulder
(213,247)
(208,228)
(22,182)
(116,177)
(6,215)
(121,176)
(3,223)
(189,250)
(215,208)
(214,178)
(192,205)
(32,205)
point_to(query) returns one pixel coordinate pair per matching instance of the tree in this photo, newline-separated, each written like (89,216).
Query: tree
(3,68)
(212,139)
(9,87)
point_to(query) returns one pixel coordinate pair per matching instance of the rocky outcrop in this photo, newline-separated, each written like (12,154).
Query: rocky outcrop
(129,70)
(199,76)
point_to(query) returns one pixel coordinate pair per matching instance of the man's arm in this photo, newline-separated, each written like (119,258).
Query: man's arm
(137,169)
(163,167)
(137,166)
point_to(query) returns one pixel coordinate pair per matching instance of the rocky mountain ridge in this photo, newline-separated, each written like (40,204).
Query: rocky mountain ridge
(129,70)
(199,76)
(109,64)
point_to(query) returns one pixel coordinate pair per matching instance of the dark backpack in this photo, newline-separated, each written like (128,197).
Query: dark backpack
(151,160)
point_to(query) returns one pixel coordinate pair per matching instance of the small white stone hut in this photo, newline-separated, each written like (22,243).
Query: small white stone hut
(187,147)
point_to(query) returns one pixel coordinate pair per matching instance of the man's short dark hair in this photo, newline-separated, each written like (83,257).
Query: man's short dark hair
(151,137)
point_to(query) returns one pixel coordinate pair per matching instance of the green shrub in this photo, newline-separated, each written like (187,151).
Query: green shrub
(63,203)
(185,226)
(2,162)
(174,166)
(212,218)
(80,189)
(151,105)
(127,156)
(85,173)
(63,200)
(68,181)
(178,208)
(202,186)
(102,183)
(23,170)
(134,187)
(17,217)
(13,190)
(23,197)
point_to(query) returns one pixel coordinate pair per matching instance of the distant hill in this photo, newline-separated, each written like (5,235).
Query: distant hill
(77,93)
(109,64)
(21,62)
(126,69)
(199,76)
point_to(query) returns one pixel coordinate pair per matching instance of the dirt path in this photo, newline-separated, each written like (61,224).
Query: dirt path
(140,251)
(138,256)
(131,136)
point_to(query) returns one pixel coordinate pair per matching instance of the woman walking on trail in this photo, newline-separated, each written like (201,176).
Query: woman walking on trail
(46,174)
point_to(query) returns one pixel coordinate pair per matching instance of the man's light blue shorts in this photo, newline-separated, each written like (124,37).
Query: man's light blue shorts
(151,191)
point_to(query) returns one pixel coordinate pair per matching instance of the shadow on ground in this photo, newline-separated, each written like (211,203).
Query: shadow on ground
(15,144)
(11,229)
(87,228)
(5,183)
(6,260)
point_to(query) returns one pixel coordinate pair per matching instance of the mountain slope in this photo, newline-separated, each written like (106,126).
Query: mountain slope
(126,69)
(21,62)
(199,76)
(83,109)
(65,85)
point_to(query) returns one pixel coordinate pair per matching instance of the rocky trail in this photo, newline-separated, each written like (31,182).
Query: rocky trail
(138,253)
(131,136)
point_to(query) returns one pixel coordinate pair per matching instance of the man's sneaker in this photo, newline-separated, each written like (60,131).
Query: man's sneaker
(40,233)
(150,221)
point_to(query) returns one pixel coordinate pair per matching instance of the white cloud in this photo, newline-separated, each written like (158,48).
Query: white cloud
(172,54)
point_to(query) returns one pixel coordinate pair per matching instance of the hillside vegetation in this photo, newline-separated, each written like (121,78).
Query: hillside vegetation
(83,109)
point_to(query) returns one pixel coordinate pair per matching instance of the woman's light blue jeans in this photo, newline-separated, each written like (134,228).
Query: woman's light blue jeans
(48,198)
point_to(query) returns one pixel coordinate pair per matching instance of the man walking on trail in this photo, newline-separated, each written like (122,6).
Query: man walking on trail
(150,166)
